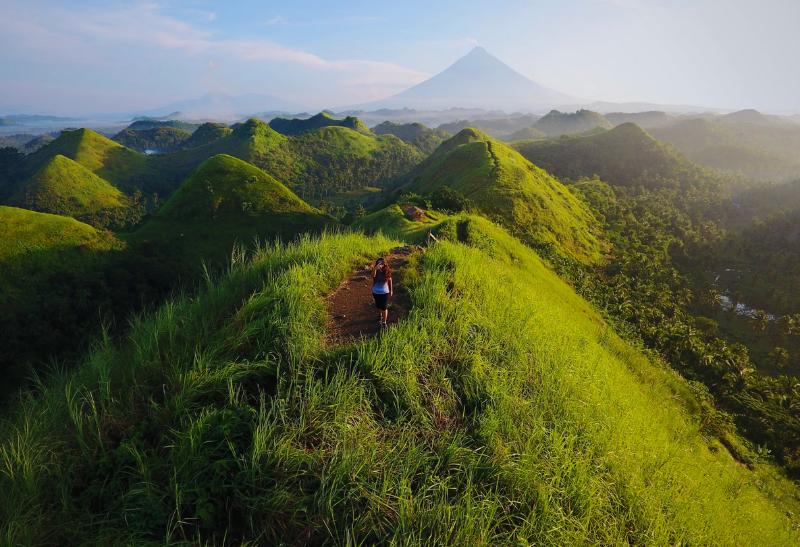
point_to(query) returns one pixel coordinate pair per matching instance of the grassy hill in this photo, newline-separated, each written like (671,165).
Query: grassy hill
(224,201)
(47,271)
(158,139)
(747,142)
(556,123)
(508,188)
(314,164)
(503,410)
(421,136)
(296,126)
(64,187)
(122,167)
(624,156)
(499,128)
(206,134)
(645,120)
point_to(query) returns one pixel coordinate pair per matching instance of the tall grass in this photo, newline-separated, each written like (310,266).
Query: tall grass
(501,411)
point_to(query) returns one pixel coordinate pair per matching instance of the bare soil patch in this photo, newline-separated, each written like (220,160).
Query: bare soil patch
(352,312)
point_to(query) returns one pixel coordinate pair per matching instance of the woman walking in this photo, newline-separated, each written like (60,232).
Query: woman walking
(382,288)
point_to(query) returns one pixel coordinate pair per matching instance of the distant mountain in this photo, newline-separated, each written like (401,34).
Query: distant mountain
(747,142)
(220,106)
(421,136)
(477,80)
(506,187)
(499,127)
(206,134)
(157,140)
(556,123)
(624,156)
(295,126)
(645,120)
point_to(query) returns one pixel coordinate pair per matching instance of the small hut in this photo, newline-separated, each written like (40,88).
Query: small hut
(413,212)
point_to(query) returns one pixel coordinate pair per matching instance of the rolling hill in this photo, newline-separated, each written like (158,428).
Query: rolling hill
(296,126)
(623,156)
(508,188)
(503,410)
(556,123)
(749,143)
(64,187)
(226,200)
(158,140)
(121,166)
(315,164)
(206,134)
(645,120)
(48,274)
(421,136)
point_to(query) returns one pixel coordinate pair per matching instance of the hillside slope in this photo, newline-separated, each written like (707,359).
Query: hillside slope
(107,159)
(508,188)
(296,126)
(624,156)
(47,266)
(224,201)
(314,164)
(501,411)
(64,187)
(556,123)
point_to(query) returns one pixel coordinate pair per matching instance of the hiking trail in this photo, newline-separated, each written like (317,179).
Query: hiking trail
(351,309)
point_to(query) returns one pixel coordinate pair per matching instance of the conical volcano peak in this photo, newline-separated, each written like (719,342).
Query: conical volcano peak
(477,80)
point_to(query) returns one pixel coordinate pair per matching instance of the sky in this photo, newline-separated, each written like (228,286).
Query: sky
(87,56)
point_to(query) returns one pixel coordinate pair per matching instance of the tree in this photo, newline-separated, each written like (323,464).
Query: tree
(779,357)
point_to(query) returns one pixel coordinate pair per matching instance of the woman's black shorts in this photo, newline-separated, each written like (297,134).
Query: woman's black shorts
(381,301)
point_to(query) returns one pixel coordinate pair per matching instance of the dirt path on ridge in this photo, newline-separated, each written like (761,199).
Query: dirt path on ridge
(351,309)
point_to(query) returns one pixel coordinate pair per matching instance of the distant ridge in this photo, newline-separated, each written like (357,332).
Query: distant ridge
(296,126)
(477,80)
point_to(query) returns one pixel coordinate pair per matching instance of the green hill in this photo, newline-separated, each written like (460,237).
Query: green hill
(645,120)
(557,123)
(48,264)
(421,136)
(158,140)
(224,201)
(206,134)
(747,142)
(502,411)
(315,164)
(122,167)
(297,126)
(624,156)
(499,128)
(64,187)
(505,186)
(527,133)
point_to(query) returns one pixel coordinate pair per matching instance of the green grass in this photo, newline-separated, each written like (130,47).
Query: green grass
(624,156)
(224,201)
(316,164)
(501,411)
(107,159)
(296,126)
(64,187)
(557,123)
(512,191)
(393,222)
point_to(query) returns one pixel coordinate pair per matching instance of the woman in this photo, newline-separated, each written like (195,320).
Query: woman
(382,288)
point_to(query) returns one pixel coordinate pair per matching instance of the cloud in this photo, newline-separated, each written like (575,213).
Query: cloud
(146,26)
(277,21)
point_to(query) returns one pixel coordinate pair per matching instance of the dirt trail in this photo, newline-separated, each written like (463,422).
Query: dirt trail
(351,308)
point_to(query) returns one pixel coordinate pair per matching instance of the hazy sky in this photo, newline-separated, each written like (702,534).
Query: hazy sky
(87,56)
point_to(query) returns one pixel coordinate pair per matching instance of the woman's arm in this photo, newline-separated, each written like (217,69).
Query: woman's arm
(391,287)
